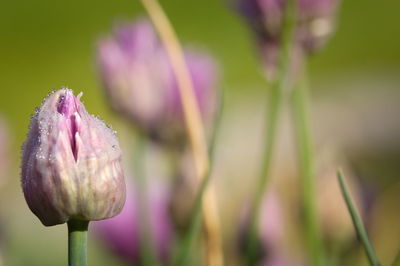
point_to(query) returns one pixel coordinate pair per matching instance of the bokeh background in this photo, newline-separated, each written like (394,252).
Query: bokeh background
(355,81)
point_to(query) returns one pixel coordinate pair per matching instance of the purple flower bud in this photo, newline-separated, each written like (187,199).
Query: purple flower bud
(273,251)
(271,222)
(270,230)
(122,233)
(281,259)
(140,83)
(71,163)
(315,21)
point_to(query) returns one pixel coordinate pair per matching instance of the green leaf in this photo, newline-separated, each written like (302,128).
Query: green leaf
(358,224)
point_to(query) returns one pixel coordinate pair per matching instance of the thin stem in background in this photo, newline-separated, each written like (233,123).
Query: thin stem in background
(194,227)
(358,224)
(194,127)
(271,126)
(301,117)
(77,242)
(195,219)
(148,255)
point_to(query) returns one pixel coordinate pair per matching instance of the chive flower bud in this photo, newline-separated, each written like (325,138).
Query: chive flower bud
(271,248)
(141,85)
(269,240)
(314,24)
(71,165)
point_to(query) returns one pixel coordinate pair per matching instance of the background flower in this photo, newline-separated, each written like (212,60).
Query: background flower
(314,24)
(138,78)
(123,233)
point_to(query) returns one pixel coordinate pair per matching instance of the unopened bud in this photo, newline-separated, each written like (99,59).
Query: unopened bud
(140,83)
(314,24)
(71,163)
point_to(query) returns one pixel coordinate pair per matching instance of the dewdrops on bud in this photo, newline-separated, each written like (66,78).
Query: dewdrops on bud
(71,165)
(141,85)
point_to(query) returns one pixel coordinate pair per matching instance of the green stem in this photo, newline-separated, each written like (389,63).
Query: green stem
(195,219)
(358,224)
(147,253)
(300,108)
(271,124)
(194,226)
(77,242)
(275,103)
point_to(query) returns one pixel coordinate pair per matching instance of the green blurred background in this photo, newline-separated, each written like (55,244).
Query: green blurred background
(45,45)
(49,44)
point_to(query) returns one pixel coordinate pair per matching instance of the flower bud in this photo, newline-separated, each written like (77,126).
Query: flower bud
(141,85)
(270,245)
(270,242)
(122,234)
(270,228)
(315,22)
(71,163)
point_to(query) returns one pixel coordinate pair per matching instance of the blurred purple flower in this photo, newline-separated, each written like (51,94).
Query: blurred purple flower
(315,21)
(71,163)
(140,83)
(122,234)
(280,259)
(271,225)
(273,251)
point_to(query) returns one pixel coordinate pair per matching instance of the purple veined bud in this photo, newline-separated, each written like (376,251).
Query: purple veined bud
(315,22)
(122,233)
(71,163)
(140,84)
